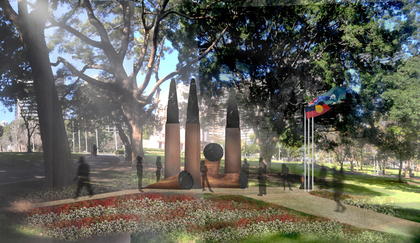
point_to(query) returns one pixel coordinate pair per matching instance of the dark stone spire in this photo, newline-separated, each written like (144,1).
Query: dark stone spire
(172,111)
(232,118)
(192,110)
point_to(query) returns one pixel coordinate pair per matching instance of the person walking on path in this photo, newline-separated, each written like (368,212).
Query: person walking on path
(338,188)
(285,174)
(262,177)
(83,177)
(245,169)
(139,171)
(158,168)
(204,178)
(95,150)
(322,175)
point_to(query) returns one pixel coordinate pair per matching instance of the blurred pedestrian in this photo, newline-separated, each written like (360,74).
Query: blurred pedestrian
(245,169)
(83,177)
(262,177)
(139,171)
(338,188)
(204,178)
(158,168)
(95,150)
(285,174)
(322,175)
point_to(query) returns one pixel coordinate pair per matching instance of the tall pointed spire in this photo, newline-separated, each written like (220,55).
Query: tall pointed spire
(172,112)
(232,118)
(192,110)
(192,137)
(232,137)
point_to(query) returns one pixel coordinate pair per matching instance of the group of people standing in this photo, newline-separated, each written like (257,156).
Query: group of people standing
(337,183)
(140,170)
(262,176)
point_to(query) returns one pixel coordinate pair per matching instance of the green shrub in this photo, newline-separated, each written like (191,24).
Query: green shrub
(119,152)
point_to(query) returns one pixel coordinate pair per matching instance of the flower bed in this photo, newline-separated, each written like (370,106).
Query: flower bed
(216,219)
(365,202)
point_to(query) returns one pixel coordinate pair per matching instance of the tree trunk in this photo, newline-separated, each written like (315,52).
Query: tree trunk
(125,141)
(407,171)
(399,173)
(28,145)
(384,166)
(361,158)
(136,144)
(59,169)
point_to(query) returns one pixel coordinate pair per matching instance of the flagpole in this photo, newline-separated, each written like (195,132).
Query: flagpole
(313,153)
(304,150)
(309,152)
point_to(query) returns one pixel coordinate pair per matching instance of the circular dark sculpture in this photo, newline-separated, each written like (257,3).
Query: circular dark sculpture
(213,152)
(185,180)
(243,180)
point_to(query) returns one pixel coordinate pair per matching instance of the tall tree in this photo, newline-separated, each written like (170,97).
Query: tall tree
(280,57)
(102,36)
(402,99)
(59,170)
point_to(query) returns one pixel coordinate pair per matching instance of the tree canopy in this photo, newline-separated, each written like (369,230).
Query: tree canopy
(280,57)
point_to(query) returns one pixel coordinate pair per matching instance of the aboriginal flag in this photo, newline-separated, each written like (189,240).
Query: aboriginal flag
(316,110)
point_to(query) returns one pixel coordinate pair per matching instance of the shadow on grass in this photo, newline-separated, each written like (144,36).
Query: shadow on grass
(361,190)
(10,222)
(409,214)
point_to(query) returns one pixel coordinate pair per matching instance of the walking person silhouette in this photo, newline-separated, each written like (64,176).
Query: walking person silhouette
(139,171)
(83,177)
(204,178)
(262,177)
(158,168)
(245,169)
(322,175)
(338,188)
(285,173)
(95,150)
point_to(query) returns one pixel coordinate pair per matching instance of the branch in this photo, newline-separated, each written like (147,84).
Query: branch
(125,40)
(190,17)
(12,15)
(142,56)
(69,89)
(76,33)
(149,111)
(106,86)
(154,50)
(304,49)
(106,43)
(170,75)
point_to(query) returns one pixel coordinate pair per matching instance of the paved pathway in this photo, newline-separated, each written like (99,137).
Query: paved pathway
(35,170)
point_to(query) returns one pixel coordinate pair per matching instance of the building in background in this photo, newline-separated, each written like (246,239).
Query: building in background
(27,106)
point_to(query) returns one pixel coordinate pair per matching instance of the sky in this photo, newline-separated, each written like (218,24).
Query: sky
(167,66)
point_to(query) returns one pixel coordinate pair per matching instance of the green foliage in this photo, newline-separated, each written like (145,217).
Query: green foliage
(252,148)
(119,152)
(14,63)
